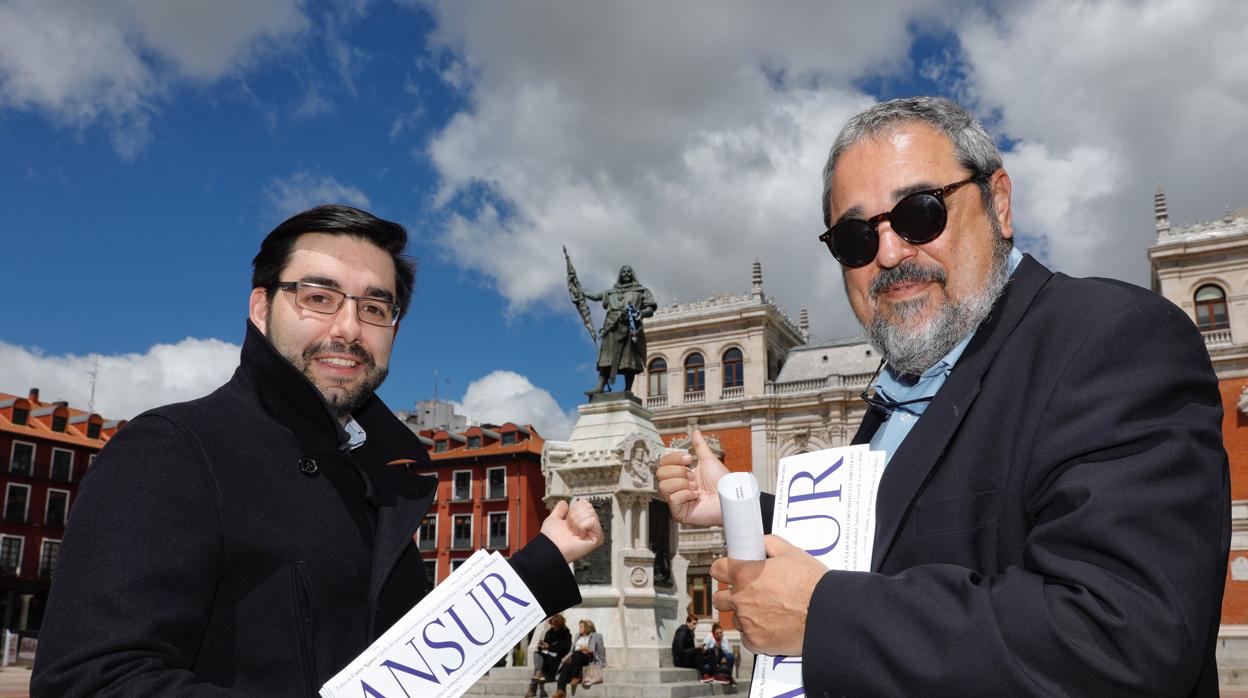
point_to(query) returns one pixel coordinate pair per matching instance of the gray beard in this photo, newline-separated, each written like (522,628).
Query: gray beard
(912,349)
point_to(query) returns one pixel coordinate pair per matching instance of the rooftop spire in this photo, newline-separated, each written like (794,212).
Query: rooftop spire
(803,324)
(1160,211)
(757,290)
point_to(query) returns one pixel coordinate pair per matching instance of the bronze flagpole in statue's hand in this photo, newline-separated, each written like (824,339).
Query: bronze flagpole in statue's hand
(578,298)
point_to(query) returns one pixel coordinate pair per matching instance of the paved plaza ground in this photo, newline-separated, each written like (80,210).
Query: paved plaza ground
(14,682)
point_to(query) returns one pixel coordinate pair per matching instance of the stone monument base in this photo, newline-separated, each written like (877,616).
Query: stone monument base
(630,595)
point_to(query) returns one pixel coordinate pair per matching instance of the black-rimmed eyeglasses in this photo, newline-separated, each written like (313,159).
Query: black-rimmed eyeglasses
(327,301)
(918,218)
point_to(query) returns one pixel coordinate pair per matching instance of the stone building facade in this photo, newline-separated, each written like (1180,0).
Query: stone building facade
(1203,268)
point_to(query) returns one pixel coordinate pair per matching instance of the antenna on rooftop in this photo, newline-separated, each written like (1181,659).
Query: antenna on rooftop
(94,373)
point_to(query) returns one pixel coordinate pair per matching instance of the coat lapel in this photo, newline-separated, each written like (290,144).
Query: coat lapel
(403,497)
(400,509)
(918,454)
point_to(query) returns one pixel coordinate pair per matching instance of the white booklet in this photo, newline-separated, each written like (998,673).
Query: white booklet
(825,504)
(447,641)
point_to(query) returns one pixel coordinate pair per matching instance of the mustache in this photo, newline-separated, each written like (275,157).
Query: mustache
(906,272)
(354,350)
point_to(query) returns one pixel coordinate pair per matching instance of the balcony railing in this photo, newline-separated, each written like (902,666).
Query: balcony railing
(656,401)
(1217,338)
(458,543)
(496,543)
(733,392)
(18,467)
(15,517)
(693,397)
(427,544)
(850,381)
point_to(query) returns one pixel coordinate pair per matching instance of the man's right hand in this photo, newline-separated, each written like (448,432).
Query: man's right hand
(691,493)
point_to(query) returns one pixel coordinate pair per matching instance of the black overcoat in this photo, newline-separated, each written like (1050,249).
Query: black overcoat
(233,545)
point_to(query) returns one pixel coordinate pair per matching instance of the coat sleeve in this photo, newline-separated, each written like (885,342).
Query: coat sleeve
(1119,584)
(136,577)
(543,570)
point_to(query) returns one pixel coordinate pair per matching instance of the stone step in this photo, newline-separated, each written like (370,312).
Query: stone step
(619,683)
(685,689)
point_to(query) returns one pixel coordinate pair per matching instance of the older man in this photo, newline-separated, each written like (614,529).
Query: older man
(1053,517)
(254,541)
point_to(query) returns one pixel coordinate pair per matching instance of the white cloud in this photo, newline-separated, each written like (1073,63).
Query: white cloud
(684,139)
(82,62)
(504,396)
(303,190)
(1051,191)
(1109,99)
(127,384)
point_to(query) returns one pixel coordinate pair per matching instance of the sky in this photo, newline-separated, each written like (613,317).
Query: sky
(147,146)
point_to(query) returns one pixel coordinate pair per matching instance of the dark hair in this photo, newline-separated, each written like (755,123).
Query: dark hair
(334,219)
(690,618)
(976,150)
(716,626)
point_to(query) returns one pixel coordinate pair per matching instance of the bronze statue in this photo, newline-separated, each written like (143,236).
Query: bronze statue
(622,349)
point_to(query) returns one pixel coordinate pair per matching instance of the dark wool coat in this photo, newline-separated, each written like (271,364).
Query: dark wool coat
(1057,522)
(232,546)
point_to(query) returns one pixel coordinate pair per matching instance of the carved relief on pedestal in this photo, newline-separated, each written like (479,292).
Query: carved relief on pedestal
(1243,401)
(640,455)
(684,444)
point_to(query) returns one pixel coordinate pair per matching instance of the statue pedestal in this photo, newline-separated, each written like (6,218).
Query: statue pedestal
(627,585)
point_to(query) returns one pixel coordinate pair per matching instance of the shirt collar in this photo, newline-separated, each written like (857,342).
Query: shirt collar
(355,434)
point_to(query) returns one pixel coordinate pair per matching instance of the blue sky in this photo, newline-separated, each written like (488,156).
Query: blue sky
(146,147)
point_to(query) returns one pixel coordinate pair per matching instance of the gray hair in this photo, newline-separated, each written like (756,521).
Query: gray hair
(975,148)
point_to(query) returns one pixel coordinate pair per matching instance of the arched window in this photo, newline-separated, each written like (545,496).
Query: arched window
(657,374)
(695,373)
(1211,308)
(734,368)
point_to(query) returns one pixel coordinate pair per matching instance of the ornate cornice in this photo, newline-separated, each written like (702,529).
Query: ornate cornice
(1204,230)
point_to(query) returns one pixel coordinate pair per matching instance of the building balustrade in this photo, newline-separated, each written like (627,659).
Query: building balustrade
(694,397)
(1217,338)
(849,382)
(733,392)
(656,401)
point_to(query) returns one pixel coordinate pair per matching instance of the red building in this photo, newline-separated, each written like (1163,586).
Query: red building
(46,449)
(490,490)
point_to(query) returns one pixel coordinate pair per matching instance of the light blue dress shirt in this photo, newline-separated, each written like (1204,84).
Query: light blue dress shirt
(891,386)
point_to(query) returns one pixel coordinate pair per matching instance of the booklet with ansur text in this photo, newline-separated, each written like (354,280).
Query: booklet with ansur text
(825,505)
(447,641)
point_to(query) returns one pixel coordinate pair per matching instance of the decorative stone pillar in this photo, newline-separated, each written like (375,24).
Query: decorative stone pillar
(24,617)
